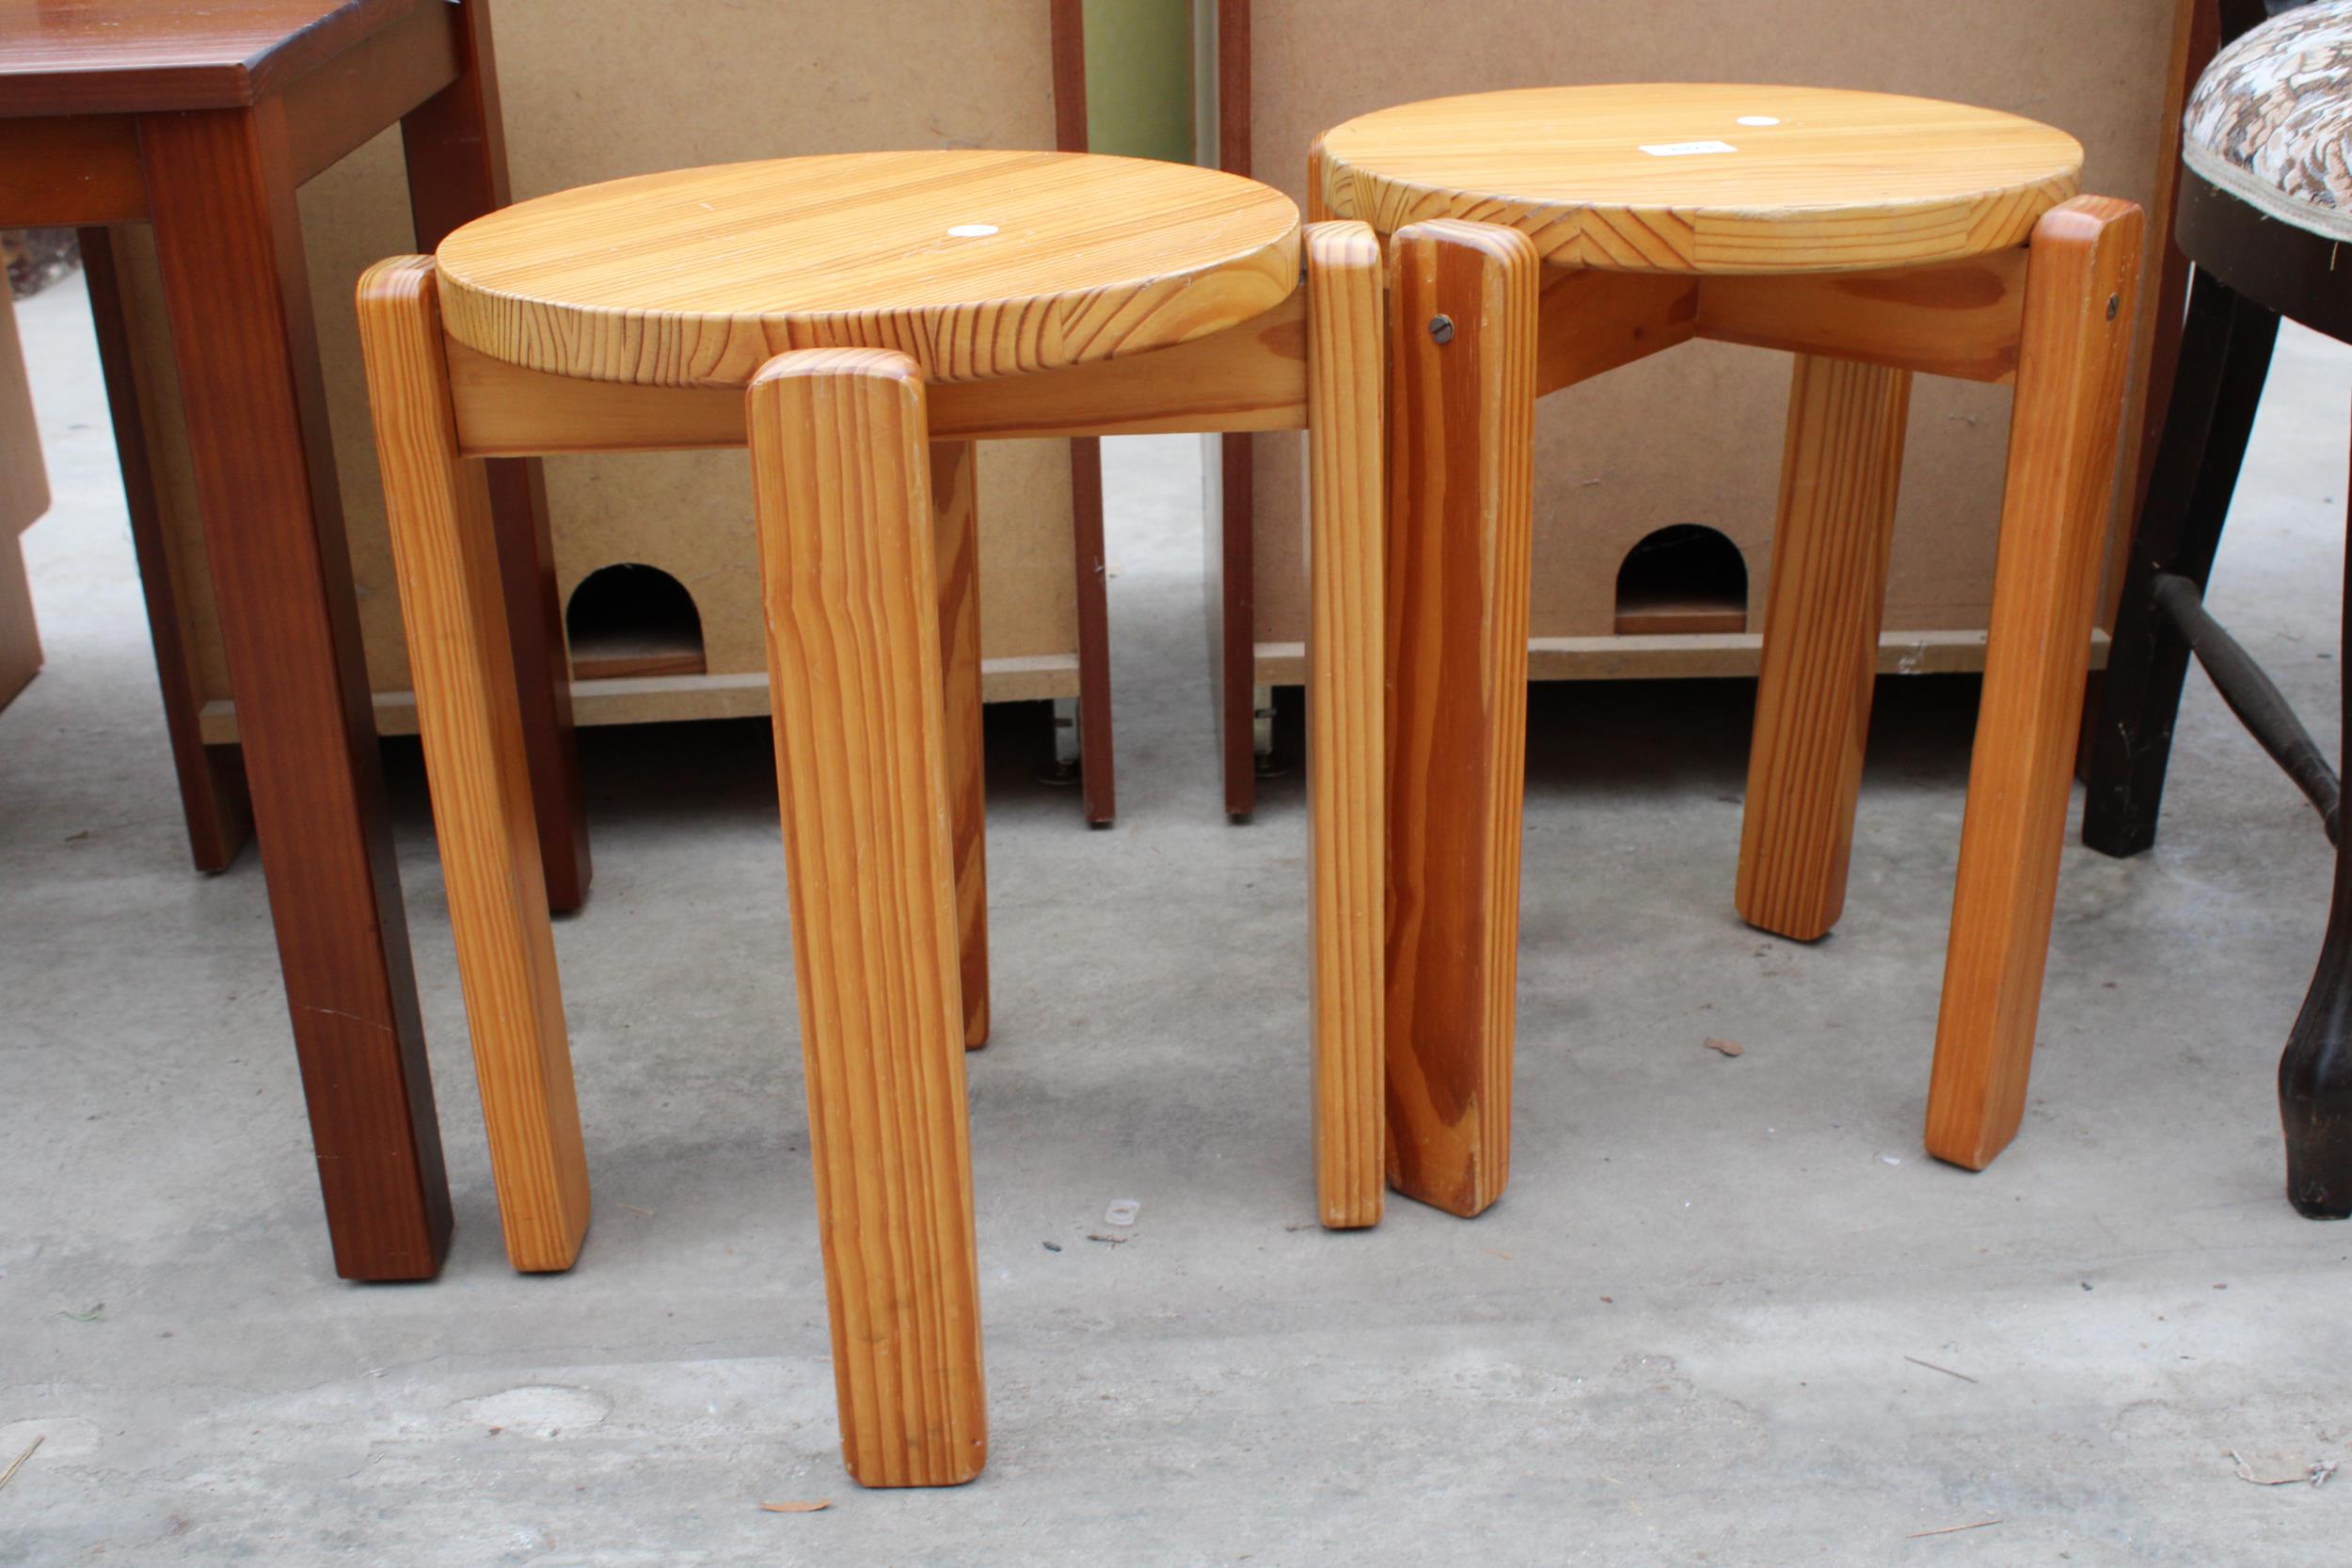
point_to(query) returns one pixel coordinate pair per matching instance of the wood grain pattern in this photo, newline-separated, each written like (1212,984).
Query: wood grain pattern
(1628,176)
(1589,323)
(956,556)
(238,299)
(1086,258)
(333,111)
(445,548)
(1839,478)
(1248,378)
(1461,422)
(1952,318)
(78,170)
(1348,845)
(2079,297)
(92,56)
(213,799)
(839,469)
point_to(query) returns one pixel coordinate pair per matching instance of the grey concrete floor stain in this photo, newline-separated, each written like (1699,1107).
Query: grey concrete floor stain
(1685,1335)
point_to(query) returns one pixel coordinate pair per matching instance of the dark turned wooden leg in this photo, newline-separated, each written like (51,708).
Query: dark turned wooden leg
(213,793)
(2225,356)
(220,190)
(456,153)
(2315,1070)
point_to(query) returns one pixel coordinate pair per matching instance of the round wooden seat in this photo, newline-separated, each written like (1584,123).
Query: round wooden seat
(974,264)
(1701,178)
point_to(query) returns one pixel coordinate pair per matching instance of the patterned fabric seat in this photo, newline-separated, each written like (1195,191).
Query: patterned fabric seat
(2271,119)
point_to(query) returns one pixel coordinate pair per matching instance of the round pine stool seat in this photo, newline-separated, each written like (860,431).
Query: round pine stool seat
(1698,178)
(2271,119)
(973,263)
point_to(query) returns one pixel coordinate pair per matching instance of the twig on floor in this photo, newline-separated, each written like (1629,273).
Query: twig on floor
(1933,1368)
(9,1474)
(1951,1529)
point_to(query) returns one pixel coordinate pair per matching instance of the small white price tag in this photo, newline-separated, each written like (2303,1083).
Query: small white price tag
(1687,149)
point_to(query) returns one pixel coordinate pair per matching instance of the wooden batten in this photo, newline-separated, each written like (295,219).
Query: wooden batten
(1959,319)
(1251,378)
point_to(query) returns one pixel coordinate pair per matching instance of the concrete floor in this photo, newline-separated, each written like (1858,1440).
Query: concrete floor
(1688,1333)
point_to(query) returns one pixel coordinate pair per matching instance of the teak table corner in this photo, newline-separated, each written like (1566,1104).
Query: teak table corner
(202,122)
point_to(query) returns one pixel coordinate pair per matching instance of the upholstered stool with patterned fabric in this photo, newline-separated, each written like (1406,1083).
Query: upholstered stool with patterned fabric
(2265,210)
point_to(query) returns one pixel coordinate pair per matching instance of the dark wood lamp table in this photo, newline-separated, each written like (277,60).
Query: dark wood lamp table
(202,122)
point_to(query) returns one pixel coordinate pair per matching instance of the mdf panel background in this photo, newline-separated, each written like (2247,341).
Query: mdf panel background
(597,89)
(1693,437)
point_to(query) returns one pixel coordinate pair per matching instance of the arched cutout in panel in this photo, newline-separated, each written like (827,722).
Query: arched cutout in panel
(633,620)
(1683,578)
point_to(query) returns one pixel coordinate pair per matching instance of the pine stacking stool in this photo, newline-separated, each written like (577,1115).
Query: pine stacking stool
(1873,237)
(885,311)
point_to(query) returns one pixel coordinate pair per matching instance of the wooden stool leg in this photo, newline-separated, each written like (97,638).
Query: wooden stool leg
(1461,505)
(1837,484)
(1347,851)
(445,548)
(2077,342)
(840,471)
(956,550)
(2316,1070)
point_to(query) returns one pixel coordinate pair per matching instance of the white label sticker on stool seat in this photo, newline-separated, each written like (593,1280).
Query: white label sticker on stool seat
(1687,149)
(973,230)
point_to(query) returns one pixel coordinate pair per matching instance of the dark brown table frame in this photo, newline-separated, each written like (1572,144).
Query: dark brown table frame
(203,125)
